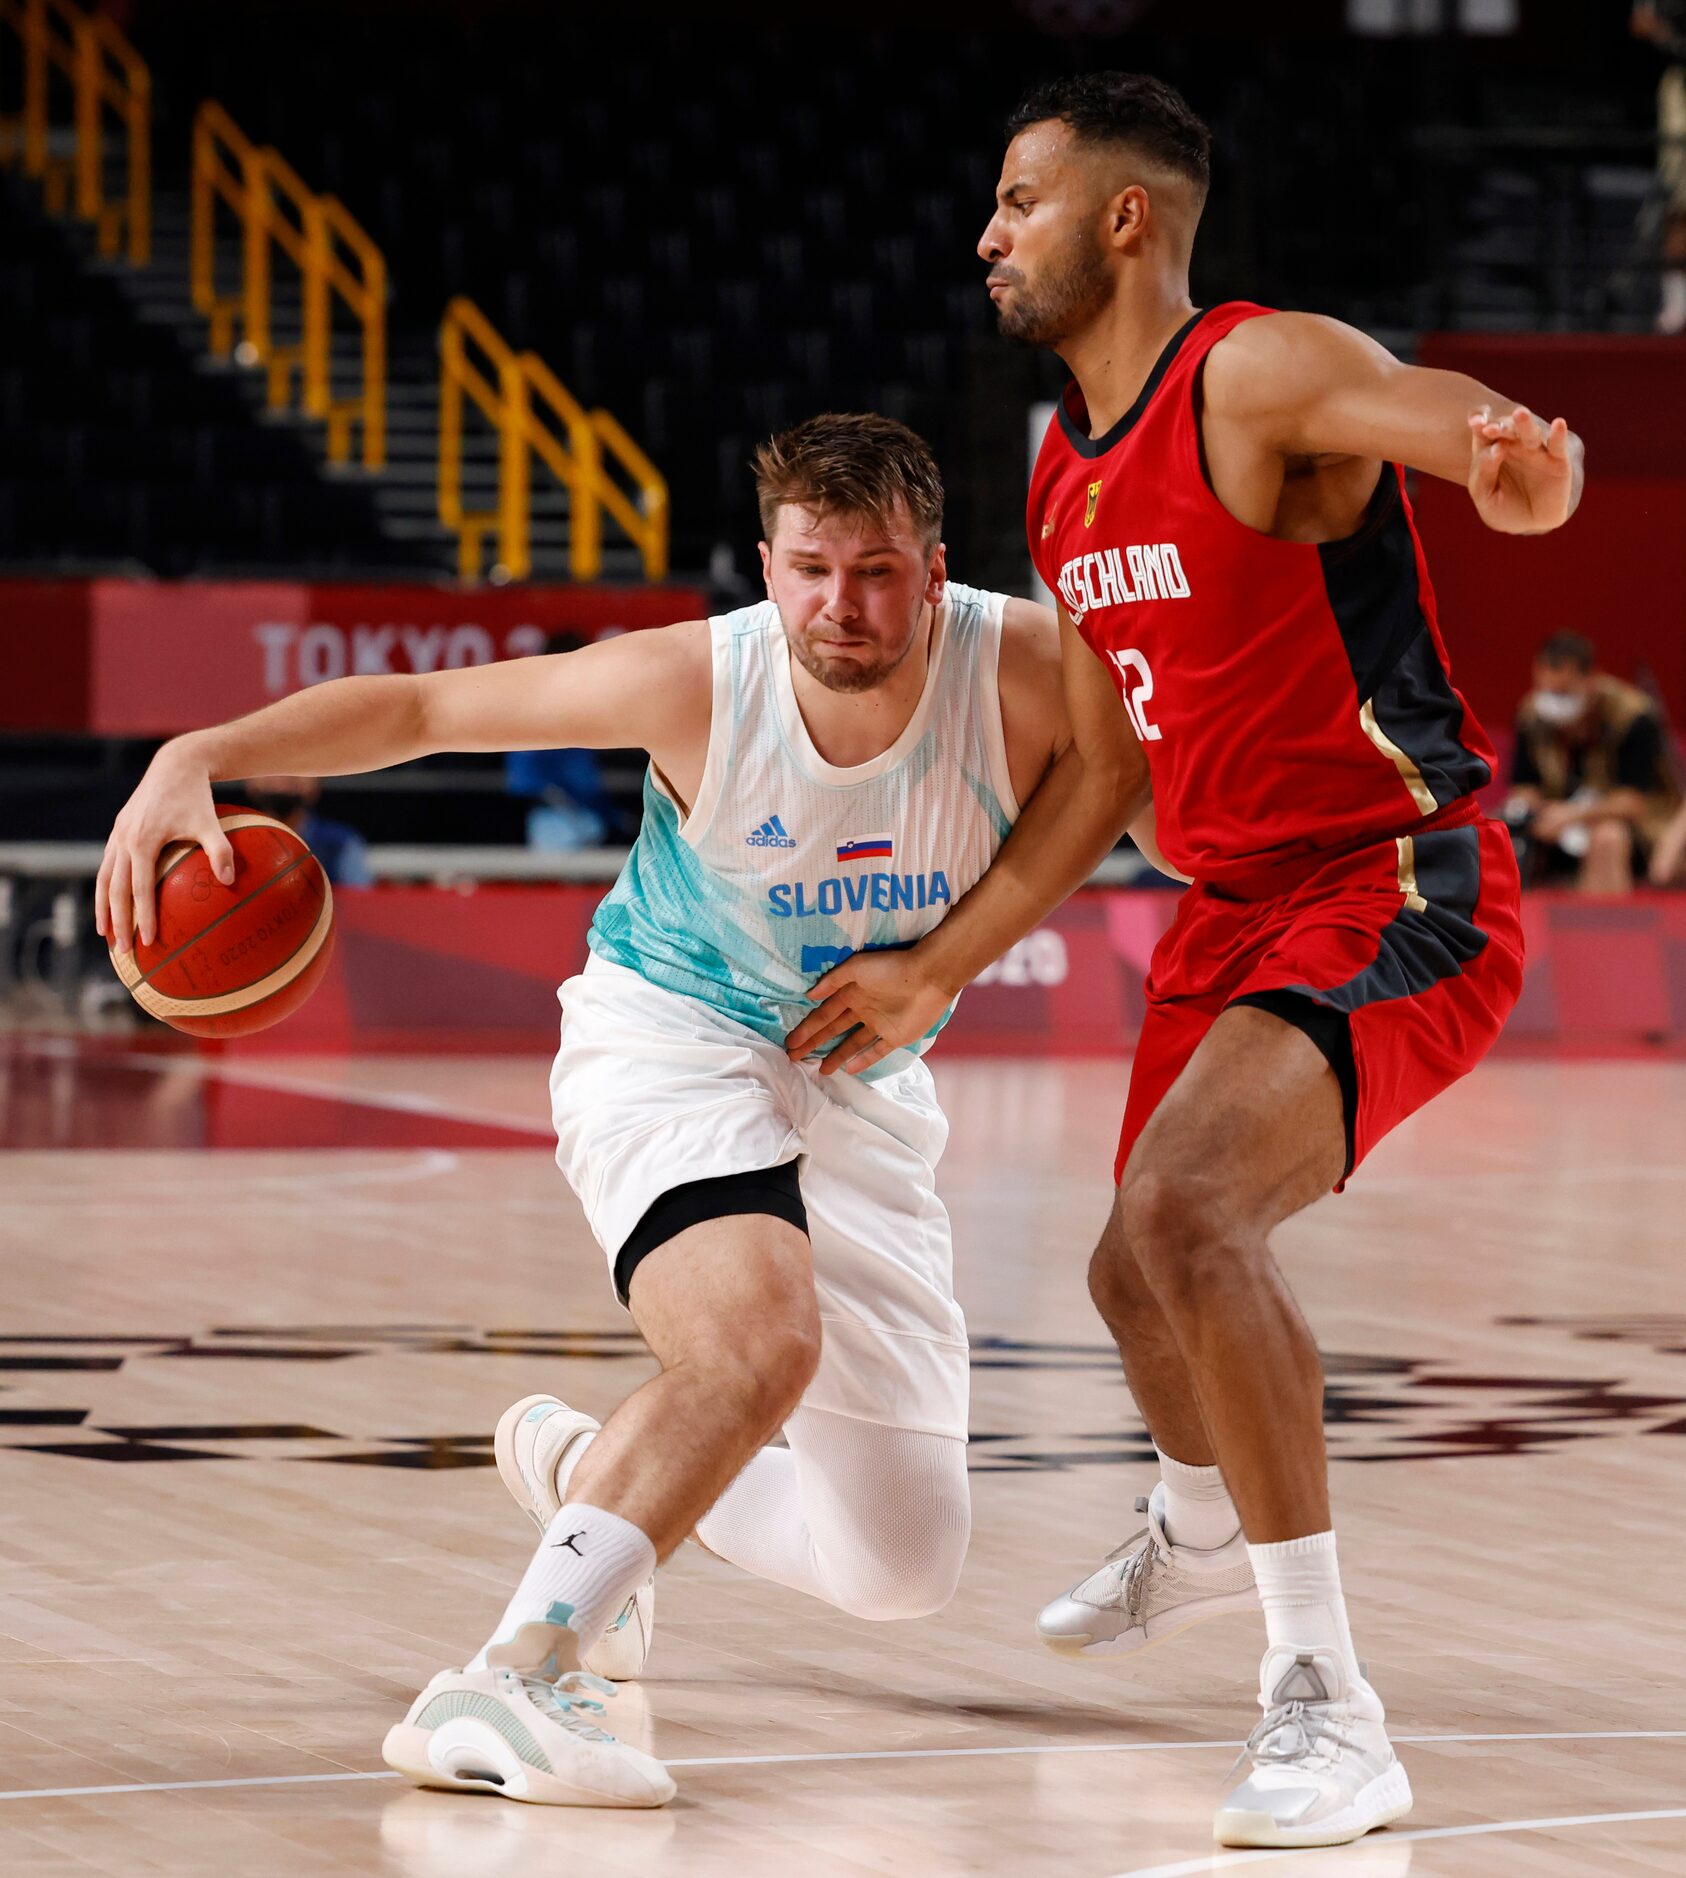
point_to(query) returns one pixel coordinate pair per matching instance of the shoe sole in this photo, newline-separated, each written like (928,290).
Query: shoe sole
(465,1757)
(1157,1630)
(1386,1800)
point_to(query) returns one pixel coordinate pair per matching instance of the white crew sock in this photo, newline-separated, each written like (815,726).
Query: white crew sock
(572,1455)
(1300,1587)
(1198,1509)
(588,1559)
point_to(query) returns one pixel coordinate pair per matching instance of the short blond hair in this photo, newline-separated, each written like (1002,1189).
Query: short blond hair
(851,463)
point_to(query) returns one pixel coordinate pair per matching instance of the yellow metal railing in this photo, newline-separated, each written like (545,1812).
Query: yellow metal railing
(534,414)
(103,71)
(317,234)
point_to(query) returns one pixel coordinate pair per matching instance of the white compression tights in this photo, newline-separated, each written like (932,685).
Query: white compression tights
(874,1520)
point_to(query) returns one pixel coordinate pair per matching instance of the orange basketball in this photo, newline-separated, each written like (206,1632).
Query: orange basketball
(231,960)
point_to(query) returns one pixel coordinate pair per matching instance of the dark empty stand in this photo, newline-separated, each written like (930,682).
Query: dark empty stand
(713,226)
(122,450)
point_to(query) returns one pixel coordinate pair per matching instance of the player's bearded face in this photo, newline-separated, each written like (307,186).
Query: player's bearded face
(1049,298)
(852,596)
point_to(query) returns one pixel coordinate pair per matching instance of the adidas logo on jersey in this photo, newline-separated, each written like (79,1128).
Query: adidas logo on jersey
(770,834)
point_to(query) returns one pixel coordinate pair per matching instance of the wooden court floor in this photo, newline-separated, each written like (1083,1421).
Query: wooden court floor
(248,1380)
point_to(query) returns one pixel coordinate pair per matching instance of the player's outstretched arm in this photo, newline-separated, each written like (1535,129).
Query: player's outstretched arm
(1096,786)
(645,690)
(1313,388)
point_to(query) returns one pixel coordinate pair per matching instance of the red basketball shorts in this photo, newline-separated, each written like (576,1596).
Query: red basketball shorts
(1400,961)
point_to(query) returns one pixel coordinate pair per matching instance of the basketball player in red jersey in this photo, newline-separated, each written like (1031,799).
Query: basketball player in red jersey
(1250,637)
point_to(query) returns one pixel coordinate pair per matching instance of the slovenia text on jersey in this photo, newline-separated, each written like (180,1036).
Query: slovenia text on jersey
(786,864)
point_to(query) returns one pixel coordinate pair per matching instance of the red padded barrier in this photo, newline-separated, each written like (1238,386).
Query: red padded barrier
(438,969)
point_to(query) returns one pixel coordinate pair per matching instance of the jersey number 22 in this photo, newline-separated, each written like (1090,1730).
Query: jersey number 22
(1131,665)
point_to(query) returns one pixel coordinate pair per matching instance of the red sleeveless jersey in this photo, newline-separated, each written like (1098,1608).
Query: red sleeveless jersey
(1292,699)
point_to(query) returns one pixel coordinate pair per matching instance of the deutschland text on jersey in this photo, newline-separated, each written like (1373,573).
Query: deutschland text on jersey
(1293,699)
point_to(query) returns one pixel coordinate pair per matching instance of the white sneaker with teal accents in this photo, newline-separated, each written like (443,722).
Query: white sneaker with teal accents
(524,1737)
(537,1443)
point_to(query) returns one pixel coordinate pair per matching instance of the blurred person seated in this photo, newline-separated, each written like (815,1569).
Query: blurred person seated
(1663,23)
(292,799)
(1668,857)
(1591,792)
(572,809)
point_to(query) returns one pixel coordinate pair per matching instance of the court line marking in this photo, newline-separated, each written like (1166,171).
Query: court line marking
(423,1164)
(160,1062)
(1216,1859)
(867,1754)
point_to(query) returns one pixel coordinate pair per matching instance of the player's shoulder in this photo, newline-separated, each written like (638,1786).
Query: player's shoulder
(663,661)
(1273,358)
(685,642)
(1031,629)
(1030,645)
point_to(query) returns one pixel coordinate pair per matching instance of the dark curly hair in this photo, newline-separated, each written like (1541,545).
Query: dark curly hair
(1124,108)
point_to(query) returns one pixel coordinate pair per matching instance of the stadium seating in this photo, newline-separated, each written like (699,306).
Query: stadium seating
(123,451)
(713,229)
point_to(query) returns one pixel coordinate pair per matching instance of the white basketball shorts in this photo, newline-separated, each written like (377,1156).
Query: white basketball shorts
(651,1090)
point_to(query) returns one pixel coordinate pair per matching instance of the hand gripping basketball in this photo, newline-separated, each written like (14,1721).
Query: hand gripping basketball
(219,935)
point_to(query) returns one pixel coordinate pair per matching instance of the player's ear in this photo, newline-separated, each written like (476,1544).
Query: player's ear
(937,578)
(766,567)
(1127,216)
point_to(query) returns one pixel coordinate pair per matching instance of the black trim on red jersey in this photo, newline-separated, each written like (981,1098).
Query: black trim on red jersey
(1086,445)
(1370,578)
(1419,947)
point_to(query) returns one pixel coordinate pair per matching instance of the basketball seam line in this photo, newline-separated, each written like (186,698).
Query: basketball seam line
(185,855)
(298,860)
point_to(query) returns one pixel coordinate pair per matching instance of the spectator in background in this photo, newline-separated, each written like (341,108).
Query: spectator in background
(1668,857)
(292,799)
(1663,22)
(1591,791)
(571,808)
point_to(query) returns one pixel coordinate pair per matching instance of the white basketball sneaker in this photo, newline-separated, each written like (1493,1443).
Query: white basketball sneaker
(525,1737)
(1148,1590)
(1324,1771)
(536,1444)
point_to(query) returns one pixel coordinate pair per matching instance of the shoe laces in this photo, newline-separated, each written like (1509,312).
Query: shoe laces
(565,1700)
(1140,1559)
(1295,1731)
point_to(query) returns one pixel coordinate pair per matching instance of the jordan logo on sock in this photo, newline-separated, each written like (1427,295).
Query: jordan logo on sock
(569,1542)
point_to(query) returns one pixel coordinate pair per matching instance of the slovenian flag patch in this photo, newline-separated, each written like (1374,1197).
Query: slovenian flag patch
(873,848)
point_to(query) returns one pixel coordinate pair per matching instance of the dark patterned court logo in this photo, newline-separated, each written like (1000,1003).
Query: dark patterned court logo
(1376,1408)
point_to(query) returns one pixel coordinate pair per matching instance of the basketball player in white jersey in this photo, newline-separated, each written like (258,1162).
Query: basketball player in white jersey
(830,769)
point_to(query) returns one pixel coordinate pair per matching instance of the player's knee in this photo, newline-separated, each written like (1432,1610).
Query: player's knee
(1177,1225)
(770,1366)
(913,1574)
(1116,1284)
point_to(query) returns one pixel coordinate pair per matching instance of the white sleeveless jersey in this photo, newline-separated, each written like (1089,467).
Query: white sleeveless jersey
(786,863)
